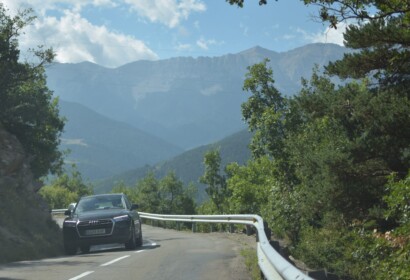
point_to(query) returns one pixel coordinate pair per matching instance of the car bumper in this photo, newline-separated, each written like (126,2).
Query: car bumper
(120,233)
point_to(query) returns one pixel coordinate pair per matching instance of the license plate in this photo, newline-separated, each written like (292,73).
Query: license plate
(95,231)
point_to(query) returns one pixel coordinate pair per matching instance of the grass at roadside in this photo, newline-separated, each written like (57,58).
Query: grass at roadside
(251,262)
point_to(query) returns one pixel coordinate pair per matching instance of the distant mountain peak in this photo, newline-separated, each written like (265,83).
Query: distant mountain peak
(258,50)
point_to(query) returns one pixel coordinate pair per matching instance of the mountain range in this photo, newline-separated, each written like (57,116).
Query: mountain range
(146,112)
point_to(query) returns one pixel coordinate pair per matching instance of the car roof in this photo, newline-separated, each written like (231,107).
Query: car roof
(102,195)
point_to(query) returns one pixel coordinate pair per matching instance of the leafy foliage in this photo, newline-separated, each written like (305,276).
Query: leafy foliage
(148,194)
(165,196)
(215,181)
(332,148)
(339,144)
(65,189)
(250,186)
(27,108)
(264,110)
(176,199)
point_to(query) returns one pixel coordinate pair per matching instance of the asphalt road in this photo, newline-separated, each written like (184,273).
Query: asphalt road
(165,254)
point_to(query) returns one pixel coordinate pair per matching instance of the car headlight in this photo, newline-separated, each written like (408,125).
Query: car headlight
(70,223)
(121,218)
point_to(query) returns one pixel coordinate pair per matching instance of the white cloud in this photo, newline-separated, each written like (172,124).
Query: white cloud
(330,35)
(205,44)
(183,47)
(289,36)
(167,12)
(245,29)
(61,25)
(75,39)
(211,90)
(42,6)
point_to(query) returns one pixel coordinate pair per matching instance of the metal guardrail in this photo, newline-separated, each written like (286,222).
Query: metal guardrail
(271,263)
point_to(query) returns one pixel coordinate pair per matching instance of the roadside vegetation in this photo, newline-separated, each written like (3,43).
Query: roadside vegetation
(330,167)
(65,189)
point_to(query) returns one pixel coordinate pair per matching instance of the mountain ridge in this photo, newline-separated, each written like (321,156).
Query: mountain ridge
(101,147)
(187,101)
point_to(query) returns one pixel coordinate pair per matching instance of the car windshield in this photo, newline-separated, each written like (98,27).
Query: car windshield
(93,203)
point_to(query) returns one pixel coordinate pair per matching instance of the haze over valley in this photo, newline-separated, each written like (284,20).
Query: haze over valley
(146,112)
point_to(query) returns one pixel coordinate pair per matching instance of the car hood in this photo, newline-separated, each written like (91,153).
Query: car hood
(100,214)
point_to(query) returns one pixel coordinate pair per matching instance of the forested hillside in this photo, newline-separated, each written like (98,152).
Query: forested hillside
(187,166)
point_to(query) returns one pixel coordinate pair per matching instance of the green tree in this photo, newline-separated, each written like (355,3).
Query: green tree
(175,198)
(121,187)
(381,35)
(216,182)
(334,146)
(27,108)
(165,196)
(148,195)
(250,186)
(264,111)
(65,189)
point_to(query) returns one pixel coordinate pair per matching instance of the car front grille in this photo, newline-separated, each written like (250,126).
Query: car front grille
(100,227)
(95,223)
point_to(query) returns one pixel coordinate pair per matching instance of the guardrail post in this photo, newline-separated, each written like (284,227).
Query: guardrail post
(178,226)
(193,227)
(212,227)
(231,228)
(268,231)
(248,230)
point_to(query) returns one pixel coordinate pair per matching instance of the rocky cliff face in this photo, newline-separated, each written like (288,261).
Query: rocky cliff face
(26,228)
(15,165)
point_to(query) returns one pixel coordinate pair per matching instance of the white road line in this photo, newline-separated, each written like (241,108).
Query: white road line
(140,251)
(81,275)
(116,260)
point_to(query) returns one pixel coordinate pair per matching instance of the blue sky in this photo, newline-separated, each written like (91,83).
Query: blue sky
(115,32)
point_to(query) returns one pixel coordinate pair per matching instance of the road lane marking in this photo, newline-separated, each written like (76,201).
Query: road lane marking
(139,251)
(81,275)
(116,260)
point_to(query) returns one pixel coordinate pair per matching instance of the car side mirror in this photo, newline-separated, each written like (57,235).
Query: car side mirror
(67,212)
(134,206)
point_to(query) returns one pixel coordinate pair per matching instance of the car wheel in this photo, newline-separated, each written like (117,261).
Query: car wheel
(70,248)
(131,244)
(85,249)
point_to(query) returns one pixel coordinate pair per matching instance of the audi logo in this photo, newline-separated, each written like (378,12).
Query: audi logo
(93,222)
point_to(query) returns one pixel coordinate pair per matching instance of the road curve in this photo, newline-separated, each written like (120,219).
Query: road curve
(166,254)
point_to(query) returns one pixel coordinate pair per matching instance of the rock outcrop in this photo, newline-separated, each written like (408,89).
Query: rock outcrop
(26,228)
